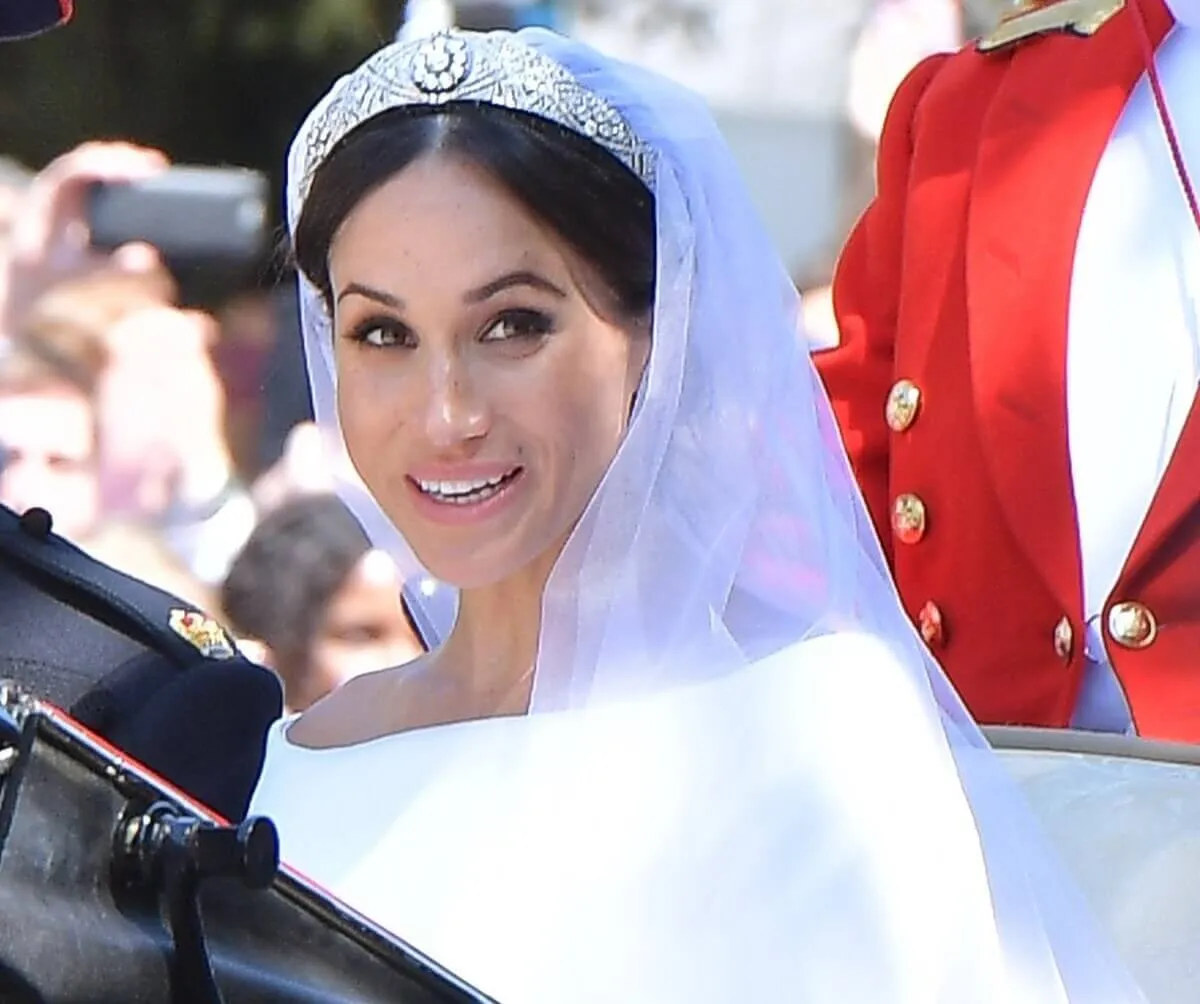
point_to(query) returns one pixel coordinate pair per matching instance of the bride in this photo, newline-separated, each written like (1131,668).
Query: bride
(674,739)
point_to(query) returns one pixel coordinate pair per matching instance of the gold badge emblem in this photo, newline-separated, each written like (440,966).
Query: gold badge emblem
(1039,17)
(204,633)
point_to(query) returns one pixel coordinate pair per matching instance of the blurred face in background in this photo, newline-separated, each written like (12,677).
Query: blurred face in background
(364,627)
(159,402)
(161,408)
(48,455)
(320,603)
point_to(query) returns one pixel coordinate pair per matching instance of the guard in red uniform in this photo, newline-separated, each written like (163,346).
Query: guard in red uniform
(1020,351)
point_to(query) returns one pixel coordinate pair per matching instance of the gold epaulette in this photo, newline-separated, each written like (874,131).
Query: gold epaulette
(1031,18)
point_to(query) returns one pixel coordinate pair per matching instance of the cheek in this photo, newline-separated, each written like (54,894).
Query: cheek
(587,409)
(327,666)
(368,407)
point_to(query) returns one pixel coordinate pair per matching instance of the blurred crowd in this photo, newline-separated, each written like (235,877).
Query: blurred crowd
(173,441)
(138,423)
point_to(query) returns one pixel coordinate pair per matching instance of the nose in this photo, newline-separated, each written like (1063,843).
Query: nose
(456,410)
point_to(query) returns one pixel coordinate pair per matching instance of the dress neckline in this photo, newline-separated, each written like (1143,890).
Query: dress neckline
(285,724)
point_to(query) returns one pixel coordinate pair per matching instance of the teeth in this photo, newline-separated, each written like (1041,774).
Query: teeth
(464,491)
(459,487)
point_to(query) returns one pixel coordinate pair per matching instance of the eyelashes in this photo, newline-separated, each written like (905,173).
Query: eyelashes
(510,327)
(521,325)
(382,332)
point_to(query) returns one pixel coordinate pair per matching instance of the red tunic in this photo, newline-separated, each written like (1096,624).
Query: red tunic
(957,279)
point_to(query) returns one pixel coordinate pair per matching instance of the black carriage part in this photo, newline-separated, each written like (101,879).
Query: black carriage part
(167,854)
(115,887)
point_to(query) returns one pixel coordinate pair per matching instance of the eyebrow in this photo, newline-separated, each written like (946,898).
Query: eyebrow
(524,278)
(484,292)
(378,295)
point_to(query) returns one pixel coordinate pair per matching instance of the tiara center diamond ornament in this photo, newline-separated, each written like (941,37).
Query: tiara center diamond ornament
(441,64)
(496,68)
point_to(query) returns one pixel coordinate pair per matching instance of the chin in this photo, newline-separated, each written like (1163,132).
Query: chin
(465,569)
(476,568)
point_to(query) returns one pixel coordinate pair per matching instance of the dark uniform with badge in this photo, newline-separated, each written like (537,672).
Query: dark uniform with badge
(143,670)
(112,887)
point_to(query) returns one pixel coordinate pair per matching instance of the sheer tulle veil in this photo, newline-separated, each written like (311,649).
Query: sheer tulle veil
(729,530)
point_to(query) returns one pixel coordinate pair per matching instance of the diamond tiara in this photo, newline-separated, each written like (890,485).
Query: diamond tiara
(451,67)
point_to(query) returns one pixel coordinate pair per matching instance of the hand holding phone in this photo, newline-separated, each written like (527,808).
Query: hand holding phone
(189,214)
(48,239)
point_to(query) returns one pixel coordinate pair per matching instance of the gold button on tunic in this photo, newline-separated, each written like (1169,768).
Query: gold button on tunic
(909,518)
(1132,625)
(903,402)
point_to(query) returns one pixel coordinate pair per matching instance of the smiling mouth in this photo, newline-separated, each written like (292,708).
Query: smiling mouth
(467,492)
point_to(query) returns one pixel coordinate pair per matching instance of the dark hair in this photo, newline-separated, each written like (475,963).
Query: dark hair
(596,205)
(289,571)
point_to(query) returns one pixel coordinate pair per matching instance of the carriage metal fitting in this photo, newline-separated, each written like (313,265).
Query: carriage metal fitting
(248,852)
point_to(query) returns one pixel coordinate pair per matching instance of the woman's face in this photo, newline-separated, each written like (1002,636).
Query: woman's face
(481,393)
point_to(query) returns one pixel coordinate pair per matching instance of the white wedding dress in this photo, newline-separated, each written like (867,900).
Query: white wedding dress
(557,859)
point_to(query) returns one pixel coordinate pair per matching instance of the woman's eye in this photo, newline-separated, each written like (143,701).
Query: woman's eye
(381,335)
(519,324)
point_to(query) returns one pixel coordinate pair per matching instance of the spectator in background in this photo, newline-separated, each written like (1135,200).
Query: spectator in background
(166,462)
(91,304)
(48,447)
(50,454)
(197,714)
(48,237)
(323,604)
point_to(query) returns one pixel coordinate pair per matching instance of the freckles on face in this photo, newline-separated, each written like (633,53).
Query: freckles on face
(481,394)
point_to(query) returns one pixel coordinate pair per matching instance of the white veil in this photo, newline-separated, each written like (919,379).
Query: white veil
(730,528)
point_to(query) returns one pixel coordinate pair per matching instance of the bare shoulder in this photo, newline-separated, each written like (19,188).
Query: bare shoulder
(360,710)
